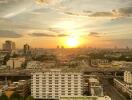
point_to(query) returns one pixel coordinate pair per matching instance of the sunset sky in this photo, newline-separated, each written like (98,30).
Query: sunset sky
(48,23)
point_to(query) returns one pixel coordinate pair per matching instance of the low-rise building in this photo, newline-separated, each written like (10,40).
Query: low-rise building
(123,87)
(34,65)
(85,98)
(95,88)
(14,63)
(100,63)
(22,87)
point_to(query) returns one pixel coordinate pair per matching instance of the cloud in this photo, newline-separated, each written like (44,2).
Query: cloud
(78,13)
(62,35)
(49,2)
(90,13)
(3,1)
(12,14)
(124,11)
(116,13)
(102,14)
(95,34)
(9,34)
(42,1)
(41,35)
(55,30)
(47,35)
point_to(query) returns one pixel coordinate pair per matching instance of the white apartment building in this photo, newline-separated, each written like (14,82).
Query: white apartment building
(128,77)
(56,83)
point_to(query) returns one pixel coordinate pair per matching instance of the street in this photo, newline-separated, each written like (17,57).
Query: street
(112,91)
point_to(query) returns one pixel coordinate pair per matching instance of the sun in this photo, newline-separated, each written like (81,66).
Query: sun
(72,42)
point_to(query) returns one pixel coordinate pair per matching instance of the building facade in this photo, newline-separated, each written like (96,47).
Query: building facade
(22,87)
(85,98)
(128,77)
(53,84)
(95,88)
(14,63)
(26,49)
(123,87)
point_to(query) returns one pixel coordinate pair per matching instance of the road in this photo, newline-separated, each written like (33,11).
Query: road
(112,91)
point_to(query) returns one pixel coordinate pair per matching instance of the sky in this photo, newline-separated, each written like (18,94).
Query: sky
(48,23)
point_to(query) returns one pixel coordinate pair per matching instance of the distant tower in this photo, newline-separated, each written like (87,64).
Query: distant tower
(9,46)
(127,47)
(62,47)
(26,49)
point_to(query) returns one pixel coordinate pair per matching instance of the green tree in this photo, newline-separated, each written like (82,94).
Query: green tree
(16,96)
(30,98)
(4,97)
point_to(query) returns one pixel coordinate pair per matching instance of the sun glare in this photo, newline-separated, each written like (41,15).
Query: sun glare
(72,42)
(73,39)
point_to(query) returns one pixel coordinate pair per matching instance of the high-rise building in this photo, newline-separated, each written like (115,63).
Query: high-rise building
(128,77)
(9,45)
(56,83)
(26,49)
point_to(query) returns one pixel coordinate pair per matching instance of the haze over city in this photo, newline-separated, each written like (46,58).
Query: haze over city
(65,49)
(68,23)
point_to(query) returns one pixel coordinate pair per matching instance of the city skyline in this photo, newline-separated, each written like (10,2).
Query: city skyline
(48,23)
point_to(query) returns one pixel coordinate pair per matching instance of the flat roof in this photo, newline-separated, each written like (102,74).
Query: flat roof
(85,98)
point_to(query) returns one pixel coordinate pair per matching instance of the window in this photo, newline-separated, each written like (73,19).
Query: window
(63,86)
(63,83)
(50,81)
(44,78)
(56,81)
(69,78)
(69,75)
(56,93)
(56,78)
(56,96)
(75,75)
(50,86)
(62,93)
(75,94)
(56,85)
(37,90)
(69,93)
(62,78)
(50,74)
(37,96)
(50,90)
(56,75)
(56,90)
(44,96)
(37,93)
(62,75)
